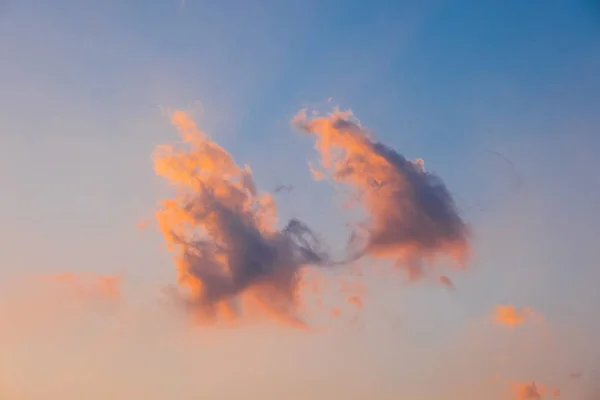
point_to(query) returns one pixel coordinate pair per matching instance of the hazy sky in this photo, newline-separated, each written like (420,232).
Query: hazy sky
(83,87)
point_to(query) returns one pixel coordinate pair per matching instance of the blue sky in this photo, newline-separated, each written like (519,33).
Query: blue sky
(83,82)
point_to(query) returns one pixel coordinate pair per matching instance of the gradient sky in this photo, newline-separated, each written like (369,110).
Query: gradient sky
(82,86)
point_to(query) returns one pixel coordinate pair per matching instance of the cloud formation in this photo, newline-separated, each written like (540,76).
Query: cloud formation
(444,280)
(509,315)
(232,259)
(533,391)
(235,260)
(412,218)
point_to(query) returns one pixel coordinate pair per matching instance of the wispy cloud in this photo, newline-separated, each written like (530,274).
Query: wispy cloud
(509,315)
(533,391)
(232,259)
(412,218)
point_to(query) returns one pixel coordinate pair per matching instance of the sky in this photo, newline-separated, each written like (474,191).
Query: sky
(499,99)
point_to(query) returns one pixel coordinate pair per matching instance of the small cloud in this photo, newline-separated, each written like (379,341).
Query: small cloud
(444,280)
(533,391)
(356,301)
(575,375)
(509,315)
(317,174)
(284,188)
(527,391)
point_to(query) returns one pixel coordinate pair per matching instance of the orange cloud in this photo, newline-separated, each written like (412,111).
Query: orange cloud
(356,301)
(412,218)
(232,261)
(533,391)
(444,280)
(511,316)
(525,391)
